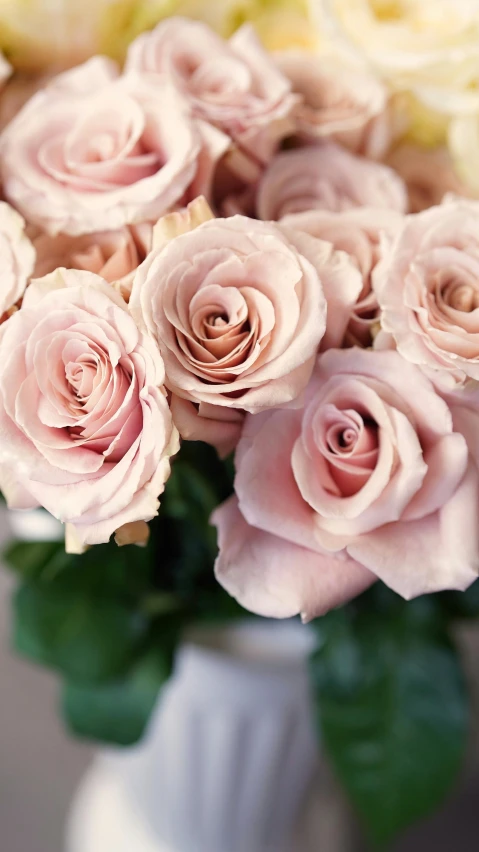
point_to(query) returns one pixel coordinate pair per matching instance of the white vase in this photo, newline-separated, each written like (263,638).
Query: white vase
(228,758)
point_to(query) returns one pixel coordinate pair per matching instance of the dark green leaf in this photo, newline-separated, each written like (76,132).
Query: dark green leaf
(118,711)
(459,605)
(105,570)
(82,637)
(392,710)
(37,560)
(219,474)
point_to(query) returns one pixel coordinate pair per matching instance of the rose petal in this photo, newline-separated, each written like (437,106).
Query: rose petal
(277,579)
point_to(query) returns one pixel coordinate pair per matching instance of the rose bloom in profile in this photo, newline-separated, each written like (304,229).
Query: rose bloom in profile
(114,255)
(364,234)
(233,84)
(87,431)
(428,290)
(326,177)
(238,309)
(339,101)
(17,258)
(371,481)
(94,152)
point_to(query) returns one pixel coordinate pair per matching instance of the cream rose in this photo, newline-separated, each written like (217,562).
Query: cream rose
(86,427)
(372,481)
(430,45)
(428,290)
(234,85)
(361,233)
(114,255)
(238,310)
(94,151)
(17,258)
(326,177)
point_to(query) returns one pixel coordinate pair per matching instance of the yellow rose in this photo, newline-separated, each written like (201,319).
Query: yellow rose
(121,21)
(416,123)
(35,34)
(426,46)
(281,24)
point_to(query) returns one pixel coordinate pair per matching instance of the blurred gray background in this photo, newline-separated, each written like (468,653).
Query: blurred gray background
(40,767)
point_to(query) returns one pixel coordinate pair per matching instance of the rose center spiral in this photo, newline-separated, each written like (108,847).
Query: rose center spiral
(348,441)
(461,296)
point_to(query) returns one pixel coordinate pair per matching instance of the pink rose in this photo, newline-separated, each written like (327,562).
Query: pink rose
(238,310)
(234,85)
(17,257)
(339,101)
(368,481)
(429,175)
(86,428)
(93,152)
(428,290)
(359,232)
(114,255)
(326,177)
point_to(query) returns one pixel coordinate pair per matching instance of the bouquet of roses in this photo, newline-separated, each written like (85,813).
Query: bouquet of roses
(212,251)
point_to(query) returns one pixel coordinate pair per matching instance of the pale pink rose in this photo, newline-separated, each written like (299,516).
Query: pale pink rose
(369,481)
(233,84)
(361,233)
(94,152)
(428,290)
(429,175)
(213,424)
(86,428)
(326,177)
(339,101)
(238,310)
(115,255)
(17,258)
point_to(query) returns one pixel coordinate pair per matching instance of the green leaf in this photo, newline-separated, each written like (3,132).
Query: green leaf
(37,560)
(117,712)
(106,570)
(392,709)
(81,636)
